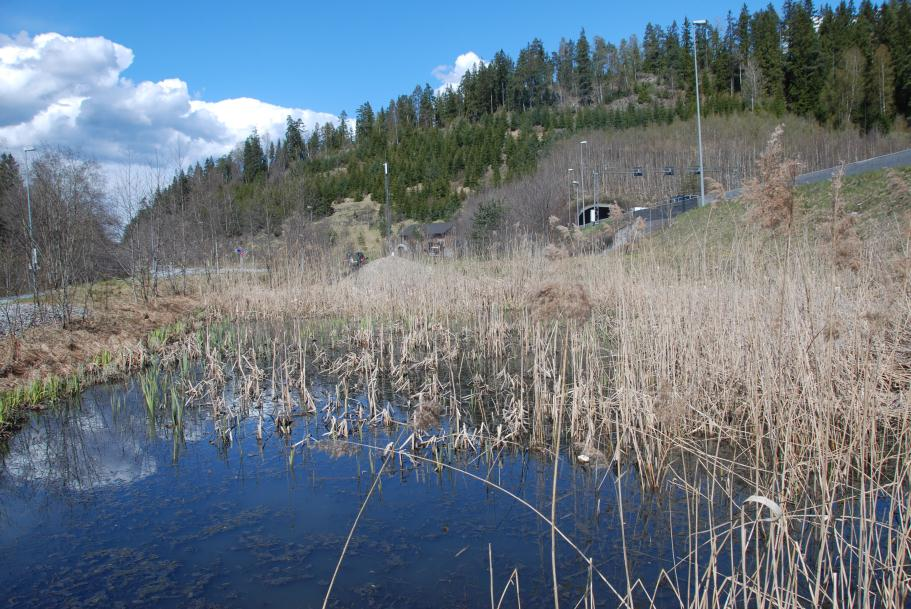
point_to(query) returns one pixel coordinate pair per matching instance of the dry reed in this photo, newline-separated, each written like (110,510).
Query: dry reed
(767,366)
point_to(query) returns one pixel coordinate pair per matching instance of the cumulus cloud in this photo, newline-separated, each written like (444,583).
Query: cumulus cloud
(70,91)
(451,75)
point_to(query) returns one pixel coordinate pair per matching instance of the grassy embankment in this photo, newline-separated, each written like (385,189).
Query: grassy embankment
(44,363)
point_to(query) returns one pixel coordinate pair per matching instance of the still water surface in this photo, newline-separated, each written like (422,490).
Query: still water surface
(99,507)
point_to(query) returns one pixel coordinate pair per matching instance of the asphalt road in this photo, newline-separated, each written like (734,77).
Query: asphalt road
(161,274)
(901,158)
(886,161)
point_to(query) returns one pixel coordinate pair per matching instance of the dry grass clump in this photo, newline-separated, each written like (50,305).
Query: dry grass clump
(560,300)
(845,243)
(714,189)
(771,193)
(899,186)
(44,351)
(427,414)
(554,252)
(569,238)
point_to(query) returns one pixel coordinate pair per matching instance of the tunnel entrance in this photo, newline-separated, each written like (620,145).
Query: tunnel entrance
(593,214)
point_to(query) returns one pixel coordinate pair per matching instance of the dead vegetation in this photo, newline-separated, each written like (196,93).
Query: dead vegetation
(771,192)
(51,350)
(560,301)
(783,372)
(755,375)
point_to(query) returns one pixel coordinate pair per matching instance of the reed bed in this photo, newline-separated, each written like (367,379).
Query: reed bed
(756,373)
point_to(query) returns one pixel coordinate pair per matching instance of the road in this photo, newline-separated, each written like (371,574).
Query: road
(161,274)
(901,158)
(665,212)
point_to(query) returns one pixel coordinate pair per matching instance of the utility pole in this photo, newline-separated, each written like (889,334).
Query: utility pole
(576,219)
(388,209)
(578,208)
(595,182)
(33,251)
(697,23)
(582,171)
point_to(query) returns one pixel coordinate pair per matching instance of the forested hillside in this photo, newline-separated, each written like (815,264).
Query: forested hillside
(844,67)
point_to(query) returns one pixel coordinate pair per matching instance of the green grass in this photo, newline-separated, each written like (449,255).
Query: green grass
(53,388)
(870,195)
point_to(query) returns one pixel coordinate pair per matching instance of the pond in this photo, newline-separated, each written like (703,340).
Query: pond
(103,505)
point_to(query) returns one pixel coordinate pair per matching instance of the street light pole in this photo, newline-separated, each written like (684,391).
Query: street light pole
(387,207)
(582,171)
(33,251)
(570,173)
(595,191)
(697,23)
(578,209)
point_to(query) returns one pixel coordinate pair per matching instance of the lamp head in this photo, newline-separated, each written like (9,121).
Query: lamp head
(700,22)
(584,142)
(29,149)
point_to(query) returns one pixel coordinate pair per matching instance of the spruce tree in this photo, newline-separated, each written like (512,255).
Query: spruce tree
(294,140)
(583,68)
(254,158)
(802,69)
(900,48)
(563,63)
(766,33)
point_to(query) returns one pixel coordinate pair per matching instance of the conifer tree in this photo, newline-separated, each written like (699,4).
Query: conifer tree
(254,158)
(563,63)
(900,47)
(802,68)
(583,68)
(766,36)
(294,140)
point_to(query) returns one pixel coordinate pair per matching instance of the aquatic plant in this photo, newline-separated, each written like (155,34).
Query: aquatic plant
(149,385)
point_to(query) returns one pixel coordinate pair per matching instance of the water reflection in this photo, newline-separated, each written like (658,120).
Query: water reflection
(80,449)
(98,441)
(102,506)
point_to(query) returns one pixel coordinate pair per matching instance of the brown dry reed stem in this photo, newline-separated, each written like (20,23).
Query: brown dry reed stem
(845,242)
(771,193)
(770,366)
(714,189)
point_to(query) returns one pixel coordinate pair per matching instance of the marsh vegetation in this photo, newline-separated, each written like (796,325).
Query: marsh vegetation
(713,417)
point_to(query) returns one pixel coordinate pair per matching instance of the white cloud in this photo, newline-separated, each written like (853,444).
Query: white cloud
(451,76)
(64,90)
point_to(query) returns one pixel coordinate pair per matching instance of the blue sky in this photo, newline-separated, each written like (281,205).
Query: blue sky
(326,56)
(162,85)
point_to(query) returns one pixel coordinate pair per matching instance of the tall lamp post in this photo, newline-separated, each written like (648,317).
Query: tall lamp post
(578,209)
(33,251)
(570,176)
(595,193)
(697,23)
(582,172)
